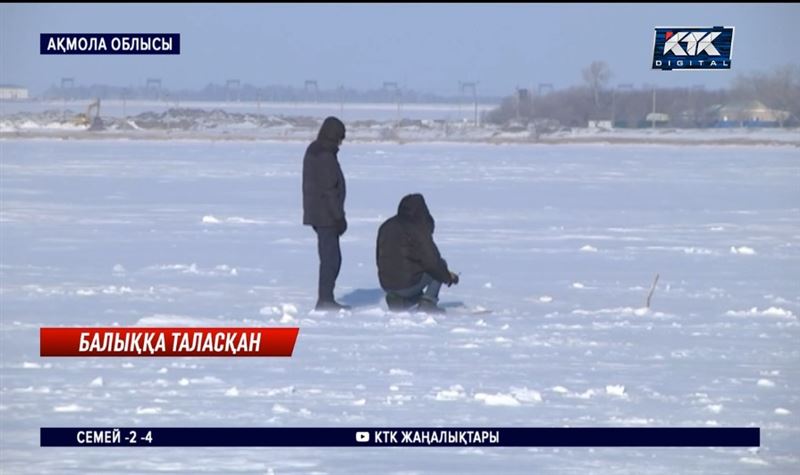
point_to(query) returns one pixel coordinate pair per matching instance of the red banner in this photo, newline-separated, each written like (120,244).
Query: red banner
(192,341)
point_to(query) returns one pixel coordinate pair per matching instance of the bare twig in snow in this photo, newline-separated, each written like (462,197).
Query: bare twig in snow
(652,289)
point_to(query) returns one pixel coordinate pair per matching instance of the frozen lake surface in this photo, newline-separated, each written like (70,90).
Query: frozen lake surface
(561,242)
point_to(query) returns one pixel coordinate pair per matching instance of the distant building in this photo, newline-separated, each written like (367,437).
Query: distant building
(600,124)
(656,119)
(746,114)
(9,92)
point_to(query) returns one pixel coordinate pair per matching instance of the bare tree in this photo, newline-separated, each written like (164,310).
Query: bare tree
(779,89)
(596,76)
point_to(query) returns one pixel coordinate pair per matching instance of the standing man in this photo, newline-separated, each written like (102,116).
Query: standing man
(410,269)
(323,206)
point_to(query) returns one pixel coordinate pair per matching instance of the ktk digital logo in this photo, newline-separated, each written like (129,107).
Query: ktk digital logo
(693,48)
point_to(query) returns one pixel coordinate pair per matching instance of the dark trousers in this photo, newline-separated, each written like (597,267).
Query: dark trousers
(330,260)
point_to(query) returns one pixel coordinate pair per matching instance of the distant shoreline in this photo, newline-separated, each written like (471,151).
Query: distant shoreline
(303,136)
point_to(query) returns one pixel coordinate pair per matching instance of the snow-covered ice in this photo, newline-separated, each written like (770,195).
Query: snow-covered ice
(568,237)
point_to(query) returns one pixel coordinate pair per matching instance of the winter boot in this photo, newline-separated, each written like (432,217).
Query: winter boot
(429,306)
(397,303)
(330,305)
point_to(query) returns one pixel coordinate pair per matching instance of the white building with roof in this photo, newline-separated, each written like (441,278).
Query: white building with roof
(10,92)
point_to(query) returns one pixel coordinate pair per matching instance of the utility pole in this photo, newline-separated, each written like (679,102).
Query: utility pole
(64,83)
(125,93)
(392,85)
(340,90)
(542,88)
(473,86)
(654,107)
(696,119)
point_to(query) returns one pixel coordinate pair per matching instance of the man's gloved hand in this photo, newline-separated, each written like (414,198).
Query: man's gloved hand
(453,279)
(341,226)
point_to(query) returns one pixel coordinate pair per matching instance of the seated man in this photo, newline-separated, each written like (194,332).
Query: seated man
(410,268)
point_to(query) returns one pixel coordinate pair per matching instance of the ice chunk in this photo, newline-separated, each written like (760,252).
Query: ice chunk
(289,308)
(743,250)
(588,394)
(430,321)
(615,390)
(232,392)
(71,408)
(399,372)
(526,395)
(210,220)
(776,312)
(96,383)
(452,394)
(753,461)
(286,318)
(498,399)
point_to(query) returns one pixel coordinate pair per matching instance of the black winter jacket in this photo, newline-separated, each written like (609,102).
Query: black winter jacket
(405,247)
(323,182)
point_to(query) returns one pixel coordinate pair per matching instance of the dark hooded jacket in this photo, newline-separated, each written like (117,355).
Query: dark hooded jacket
(323,181)
(405,248)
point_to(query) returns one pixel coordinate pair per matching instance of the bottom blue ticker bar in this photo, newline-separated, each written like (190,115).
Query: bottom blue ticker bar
(400,436)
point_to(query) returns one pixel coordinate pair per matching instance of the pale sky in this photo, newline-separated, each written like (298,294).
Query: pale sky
(424,47)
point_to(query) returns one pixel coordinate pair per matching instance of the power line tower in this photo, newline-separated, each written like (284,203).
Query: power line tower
(309,85)
(233,87)
(154,85)
(67,86)
(523,103)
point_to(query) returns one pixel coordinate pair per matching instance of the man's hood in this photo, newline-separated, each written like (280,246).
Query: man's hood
(413,208)
(332,131)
